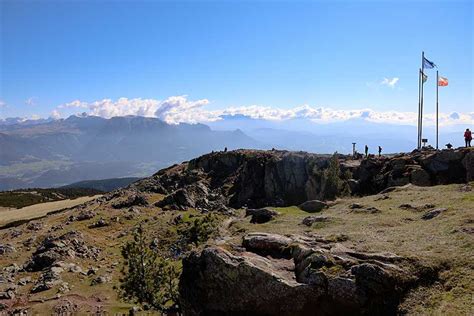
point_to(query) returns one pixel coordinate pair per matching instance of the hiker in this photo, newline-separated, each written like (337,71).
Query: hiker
(225,149)
(366,151)
(468,137)
(380,151)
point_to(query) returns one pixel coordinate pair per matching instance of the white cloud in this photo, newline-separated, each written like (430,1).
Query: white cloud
(3,104)
(55,114)
(31,101)
(74,104)
(390,82)
(178,109)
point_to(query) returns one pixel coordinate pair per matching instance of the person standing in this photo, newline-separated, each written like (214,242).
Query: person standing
(380,151)
(366,151)
(468,137)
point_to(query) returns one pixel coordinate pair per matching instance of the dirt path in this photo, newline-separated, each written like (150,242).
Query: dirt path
(9,215)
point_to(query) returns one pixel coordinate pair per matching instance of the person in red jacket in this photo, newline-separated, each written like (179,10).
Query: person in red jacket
(468,137)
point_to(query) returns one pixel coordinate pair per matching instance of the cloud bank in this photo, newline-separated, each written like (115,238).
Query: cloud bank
(178,109)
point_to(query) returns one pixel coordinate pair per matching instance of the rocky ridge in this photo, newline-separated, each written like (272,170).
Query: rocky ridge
(257,179)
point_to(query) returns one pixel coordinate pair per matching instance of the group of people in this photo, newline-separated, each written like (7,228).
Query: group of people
(467,139)
(367,151)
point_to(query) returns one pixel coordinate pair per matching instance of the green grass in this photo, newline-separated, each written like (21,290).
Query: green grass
(26,197)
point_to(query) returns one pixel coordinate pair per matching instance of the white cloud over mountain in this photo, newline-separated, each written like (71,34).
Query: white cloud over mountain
(178,109)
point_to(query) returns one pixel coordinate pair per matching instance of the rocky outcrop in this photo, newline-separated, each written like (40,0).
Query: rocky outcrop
(54,249)
(278,275)
(256,179)
(132,200)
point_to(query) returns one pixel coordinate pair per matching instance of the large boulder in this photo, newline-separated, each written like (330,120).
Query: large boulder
(132,200)
(468,163)
(420,177)
(261,215)
(312,206)
(445,166)
(296,277)
(267,244)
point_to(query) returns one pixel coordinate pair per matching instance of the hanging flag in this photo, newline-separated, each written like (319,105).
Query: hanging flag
(424,77)
(428,64)
(442,82)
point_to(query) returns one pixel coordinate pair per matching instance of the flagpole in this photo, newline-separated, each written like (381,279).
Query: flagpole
(421,103)
(419,107)
(437,108)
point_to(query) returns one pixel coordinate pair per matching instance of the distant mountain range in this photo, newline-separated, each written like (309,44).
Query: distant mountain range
(105,185)
(58,152)
(52,153)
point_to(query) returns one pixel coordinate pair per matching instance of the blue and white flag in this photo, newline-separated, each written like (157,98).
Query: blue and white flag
(428,64)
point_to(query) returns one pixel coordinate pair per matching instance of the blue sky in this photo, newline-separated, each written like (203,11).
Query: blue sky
(331,54)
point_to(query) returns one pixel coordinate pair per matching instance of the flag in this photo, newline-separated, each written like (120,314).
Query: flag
(428,64)
(442,82)
(424,77)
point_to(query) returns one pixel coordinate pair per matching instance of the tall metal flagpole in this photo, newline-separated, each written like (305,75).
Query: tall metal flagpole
(437,107)
(419,107)
(421,102)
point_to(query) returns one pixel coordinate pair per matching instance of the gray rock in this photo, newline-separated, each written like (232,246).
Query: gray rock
(92,270)
(85,215)
(355,206)
(101,280)
(433,213)
(6,249)
(306,280)
(313,206)
(46,281)
(261,215)
(420,177)
(468,163)
(54,249)
(35,226)
(100,223)
(133,200)
(267,244)
(65,307)
(310,220)
(24,281)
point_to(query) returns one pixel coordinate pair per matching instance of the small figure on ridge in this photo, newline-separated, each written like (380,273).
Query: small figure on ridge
(366,151)
(380,151)
(468,137)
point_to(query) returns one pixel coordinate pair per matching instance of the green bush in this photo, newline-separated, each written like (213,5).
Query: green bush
(332,181)
(148,277)
(201,229)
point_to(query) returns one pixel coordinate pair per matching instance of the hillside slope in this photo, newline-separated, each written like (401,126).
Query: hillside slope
(406,250)
(104,185)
